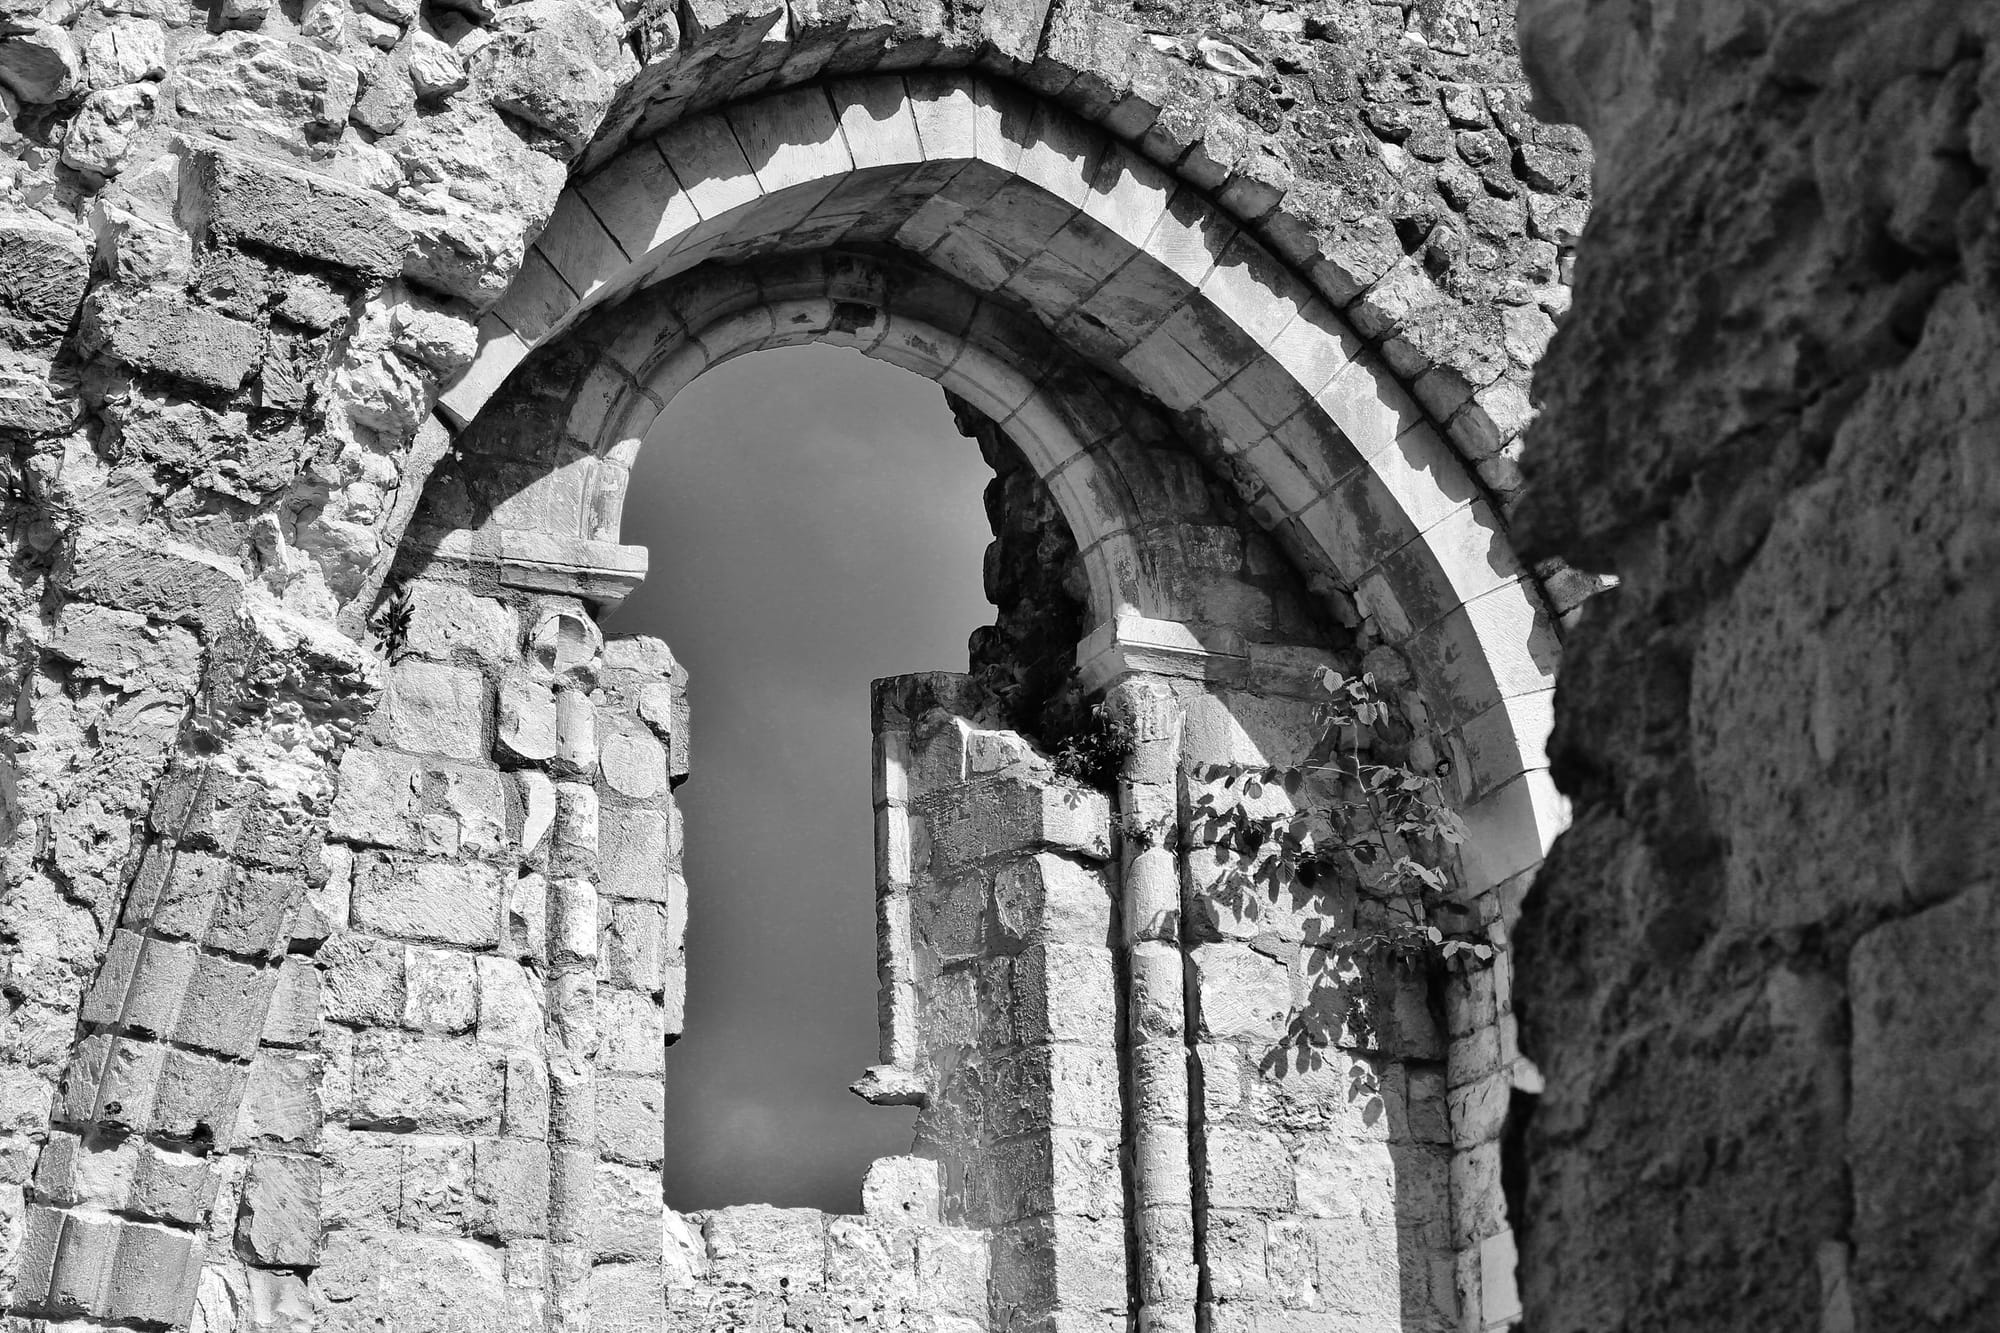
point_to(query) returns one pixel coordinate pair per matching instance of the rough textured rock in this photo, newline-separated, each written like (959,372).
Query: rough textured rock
(1765,416)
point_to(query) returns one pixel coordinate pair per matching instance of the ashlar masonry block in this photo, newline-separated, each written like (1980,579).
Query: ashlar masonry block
(433,708)
(638,854)
(443,902)
(972,822)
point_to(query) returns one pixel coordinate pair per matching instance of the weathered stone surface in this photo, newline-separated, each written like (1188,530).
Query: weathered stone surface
(168,335)
(48,267)
(163,579)
(125,648)
(439,1084)
(285,91)
(431,708)
(422,1284)
(237,197)
(437,901)
(40,64)
(554,63)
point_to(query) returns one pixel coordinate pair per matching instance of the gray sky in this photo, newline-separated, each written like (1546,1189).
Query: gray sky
(815,522)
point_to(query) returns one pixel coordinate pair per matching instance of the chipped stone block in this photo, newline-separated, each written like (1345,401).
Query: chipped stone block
(1249,1168)
(361,980)
(512,1010)
(151,576)
(366,1282)
(198,1097)
(634,1039)
(625,1208)
(440,990)
(633,949)
(409,804)
(437,1084)
(441,902)
(448,622)
(1243,994)
(638,853)
(278,1221)
(527,718)
(527,1096)
(294,1016)
(766,1249)
(126,649)
(438,1194)
(223,1010)
(433,708)
(510,1189)
(633,763)
(236,197)
(281,1101)
(631,1120)
(902,1190)
(975,821)
(1065,992)
(361,1187)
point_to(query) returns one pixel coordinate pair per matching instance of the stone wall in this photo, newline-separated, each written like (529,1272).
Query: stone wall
(373,1001)
(1759,970)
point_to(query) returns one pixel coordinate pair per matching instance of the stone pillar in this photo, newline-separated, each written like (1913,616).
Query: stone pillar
(1156,1030)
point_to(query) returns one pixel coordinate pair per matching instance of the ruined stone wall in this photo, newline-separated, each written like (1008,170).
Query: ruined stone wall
(247,248)
(1758,972)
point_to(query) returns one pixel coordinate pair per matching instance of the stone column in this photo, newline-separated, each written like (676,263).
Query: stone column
(1156,1008)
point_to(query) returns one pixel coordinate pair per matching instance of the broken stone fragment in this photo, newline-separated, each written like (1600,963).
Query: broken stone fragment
(234,14)
(100,138)
(555,64)
(165,333)
(40,65)
(435,69)
(268,87)
(47,268)
(125,649)
(126,52)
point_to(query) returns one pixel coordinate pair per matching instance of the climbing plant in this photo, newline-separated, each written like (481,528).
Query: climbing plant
(1361,845)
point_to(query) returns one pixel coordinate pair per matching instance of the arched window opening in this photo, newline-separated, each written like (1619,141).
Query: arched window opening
(814,521)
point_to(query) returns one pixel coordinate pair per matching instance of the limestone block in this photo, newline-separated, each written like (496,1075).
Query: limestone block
(253,910)
(1065,992)
(198,1097)
(125,649)
(437,1185)
(171,1186)
(223,1010)
(142,573)
(447,622)
(633,763)
(512,1010)
(1242,994)
(510,1189)
(631,1120)
(1052,896)
(392,800)
(562,639)
(625,1213)
(1249,1168)
(638,854)
(414,1284)
(240,198)
(1339,1177)
(281,1101)
(265,87)
(439,1084)
(361,980)
(527,923)
(527,721)
(432,708)
(766,1249)
(439,902)
(633,950)
(361,1187)
(905,1191)
(294,1016)
(1003,815)
(527,1093)
(440,990)
(634,1038)
(278,1222)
